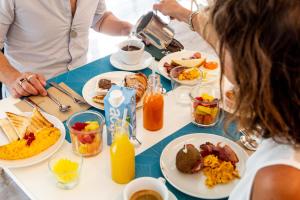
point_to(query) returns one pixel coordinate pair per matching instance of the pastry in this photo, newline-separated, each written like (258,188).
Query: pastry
(138,82)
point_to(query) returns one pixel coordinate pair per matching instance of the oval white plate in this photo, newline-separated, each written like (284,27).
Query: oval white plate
(194,184)
(212,74)
(145,62)
(43,155)
(116,77)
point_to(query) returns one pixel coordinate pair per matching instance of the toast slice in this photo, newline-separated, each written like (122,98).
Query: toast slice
(38,121)
(9,130)
(19,122)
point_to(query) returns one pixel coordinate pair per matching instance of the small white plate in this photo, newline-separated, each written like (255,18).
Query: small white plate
(89,88)
(145,62)
(194,184)
(212,75)
(43,155)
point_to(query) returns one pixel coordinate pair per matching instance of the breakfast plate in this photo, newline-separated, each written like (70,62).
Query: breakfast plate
(194,184)
(44,154)
(89,88)
(211,75)
(145,62)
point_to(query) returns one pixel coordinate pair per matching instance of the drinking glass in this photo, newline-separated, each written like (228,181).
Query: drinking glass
(66,170)
(86,143)
(182,88)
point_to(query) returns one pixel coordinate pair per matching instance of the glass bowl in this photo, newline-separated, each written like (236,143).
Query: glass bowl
(86,131)
(66,170)
(205,105)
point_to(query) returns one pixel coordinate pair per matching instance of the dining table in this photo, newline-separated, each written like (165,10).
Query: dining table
(96,183)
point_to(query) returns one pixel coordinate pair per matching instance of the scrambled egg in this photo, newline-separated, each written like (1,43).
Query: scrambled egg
(189,74)
(44,138)
(218,172)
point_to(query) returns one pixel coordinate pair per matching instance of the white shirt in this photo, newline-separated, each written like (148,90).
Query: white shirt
(269,153)
(41,36)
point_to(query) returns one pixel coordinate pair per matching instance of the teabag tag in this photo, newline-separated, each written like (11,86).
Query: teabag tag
(115,102)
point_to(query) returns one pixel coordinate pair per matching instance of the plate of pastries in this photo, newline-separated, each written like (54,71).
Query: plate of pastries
(95,90)
(29,138)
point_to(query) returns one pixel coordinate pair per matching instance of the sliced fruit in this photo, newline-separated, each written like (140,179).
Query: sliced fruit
(190,62)
(203,110)
(211,65)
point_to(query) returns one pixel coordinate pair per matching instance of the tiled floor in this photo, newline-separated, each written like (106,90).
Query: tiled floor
(100,45)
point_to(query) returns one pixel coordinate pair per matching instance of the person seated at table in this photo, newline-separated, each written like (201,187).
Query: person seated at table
(259,45)
(45,38)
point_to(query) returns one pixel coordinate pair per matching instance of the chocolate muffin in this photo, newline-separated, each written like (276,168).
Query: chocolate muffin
(189,159)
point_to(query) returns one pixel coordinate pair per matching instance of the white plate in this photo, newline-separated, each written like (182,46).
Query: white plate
(89,88)
(43,155)
(193,184)
(145,62)
(213,75)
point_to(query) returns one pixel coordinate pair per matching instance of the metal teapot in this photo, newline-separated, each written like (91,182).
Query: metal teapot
(158,33)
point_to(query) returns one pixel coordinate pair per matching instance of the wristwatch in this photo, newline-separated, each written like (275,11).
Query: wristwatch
(191,19)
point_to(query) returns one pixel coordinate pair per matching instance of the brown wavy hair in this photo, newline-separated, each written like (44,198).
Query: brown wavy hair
(263,39)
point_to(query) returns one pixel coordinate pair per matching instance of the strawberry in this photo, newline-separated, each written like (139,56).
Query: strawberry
(79,126)
(86,138)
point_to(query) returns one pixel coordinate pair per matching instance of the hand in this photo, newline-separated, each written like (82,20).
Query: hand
(26,84)
(126,28)
(173,9)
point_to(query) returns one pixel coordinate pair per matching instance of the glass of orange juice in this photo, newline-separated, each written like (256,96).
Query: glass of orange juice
(122,153)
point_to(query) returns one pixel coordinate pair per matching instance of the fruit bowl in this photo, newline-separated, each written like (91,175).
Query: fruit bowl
(86,130)
(204,106)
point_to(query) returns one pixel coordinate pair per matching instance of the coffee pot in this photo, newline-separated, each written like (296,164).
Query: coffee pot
(159,34)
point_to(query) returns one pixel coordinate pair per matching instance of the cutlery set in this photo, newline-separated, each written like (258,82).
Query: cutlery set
(62,108)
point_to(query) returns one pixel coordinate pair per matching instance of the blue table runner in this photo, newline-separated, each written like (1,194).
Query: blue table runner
(147,163)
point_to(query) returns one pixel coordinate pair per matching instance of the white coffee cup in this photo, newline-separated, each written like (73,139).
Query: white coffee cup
(146,183)
(131,57)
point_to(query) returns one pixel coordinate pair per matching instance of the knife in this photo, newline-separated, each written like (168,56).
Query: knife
(32,104)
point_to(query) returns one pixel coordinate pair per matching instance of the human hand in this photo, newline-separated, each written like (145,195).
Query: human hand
(26,84)
(173,9)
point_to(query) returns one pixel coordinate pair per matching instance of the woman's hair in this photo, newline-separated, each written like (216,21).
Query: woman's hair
(263,40)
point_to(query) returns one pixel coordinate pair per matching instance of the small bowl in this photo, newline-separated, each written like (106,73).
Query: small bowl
(66,178)
(86,143)
(205,113)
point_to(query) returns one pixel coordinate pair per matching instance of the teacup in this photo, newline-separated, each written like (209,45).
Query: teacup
(146,183)
(131,51)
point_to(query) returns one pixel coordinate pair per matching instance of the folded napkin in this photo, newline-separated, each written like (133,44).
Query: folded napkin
(50,107)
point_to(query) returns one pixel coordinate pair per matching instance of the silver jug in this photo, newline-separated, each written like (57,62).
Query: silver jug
(158,33)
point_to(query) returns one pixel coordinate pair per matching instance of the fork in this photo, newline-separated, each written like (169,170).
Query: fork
(76,100)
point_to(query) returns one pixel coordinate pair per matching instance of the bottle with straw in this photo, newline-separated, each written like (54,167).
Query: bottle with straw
(153,110)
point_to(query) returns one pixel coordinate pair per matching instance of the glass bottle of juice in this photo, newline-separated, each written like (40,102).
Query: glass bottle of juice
(122,155)
(153,109)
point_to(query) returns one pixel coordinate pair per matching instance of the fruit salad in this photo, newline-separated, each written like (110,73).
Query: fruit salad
(205,110)
(86,138)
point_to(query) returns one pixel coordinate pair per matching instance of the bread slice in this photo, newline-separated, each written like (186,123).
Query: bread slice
(9,130)
(38,121)
(189,62)
(19,122)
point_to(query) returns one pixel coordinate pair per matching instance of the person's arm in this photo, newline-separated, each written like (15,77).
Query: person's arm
(277,182)
(200,20)
(106,22)
(111,25)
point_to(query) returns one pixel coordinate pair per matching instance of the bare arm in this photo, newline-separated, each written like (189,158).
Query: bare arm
(111,25)
(276,182)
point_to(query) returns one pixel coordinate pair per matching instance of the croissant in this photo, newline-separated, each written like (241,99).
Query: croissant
(138,82)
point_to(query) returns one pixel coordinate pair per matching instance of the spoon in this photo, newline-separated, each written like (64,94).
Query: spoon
(62,107)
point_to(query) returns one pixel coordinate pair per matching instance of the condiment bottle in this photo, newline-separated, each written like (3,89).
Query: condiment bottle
(122,154)
(153,109)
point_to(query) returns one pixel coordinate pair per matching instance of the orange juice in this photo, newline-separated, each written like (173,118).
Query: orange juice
(122,157)
(153,111)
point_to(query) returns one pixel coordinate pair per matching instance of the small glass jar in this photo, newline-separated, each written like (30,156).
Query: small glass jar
(205,107)
(86,129)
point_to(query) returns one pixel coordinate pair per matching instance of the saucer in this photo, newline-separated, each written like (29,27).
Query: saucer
(145,62)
